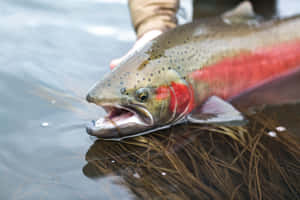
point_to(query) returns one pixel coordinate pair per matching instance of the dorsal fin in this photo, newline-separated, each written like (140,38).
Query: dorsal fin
(243,13)
(244,9)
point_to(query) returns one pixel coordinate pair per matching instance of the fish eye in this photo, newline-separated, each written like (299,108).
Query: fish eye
(142,94)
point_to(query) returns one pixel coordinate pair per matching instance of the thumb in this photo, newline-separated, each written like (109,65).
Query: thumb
(114,63)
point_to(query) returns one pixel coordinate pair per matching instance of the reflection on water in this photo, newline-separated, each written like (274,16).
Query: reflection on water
(51,53)
(196,161)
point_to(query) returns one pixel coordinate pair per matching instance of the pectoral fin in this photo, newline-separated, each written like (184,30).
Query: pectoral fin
(282,90)
(216,110)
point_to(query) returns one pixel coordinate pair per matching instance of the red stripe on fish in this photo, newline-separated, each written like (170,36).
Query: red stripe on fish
(231,76)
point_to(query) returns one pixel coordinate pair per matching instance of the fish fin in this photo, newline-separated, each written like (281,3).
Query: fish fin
(244,9)
(216,111)
(242,14)
(282,90)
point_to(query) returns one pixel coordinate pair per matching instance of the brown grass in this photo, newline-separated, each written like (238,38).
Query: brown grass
(196,162)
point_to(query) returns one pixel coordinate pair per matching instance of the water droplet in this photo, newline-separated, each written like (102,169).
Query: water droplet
(272,134)
(136,175)
(45,124)
(280,128)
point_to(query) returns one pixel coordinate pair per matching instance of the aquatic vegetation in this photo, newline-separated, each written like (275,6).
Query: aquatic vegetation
(211,162)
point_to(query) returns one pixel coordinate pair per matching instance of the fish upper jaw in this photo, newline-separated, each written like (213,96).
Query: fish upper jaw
(92,97)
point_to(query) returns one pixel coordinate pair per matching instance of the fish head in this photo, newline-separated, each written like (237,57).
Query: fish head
(136,96)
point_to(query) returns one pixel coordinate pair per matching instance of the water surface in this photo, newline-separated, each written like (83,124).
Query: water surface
(51,53)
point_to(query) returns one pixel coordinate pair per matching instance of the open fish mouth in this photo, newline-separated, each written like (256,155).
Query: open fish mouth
(120,121)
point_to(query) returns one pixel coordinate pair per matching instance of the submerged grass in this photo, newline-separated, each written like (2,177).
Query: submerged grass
(212,162)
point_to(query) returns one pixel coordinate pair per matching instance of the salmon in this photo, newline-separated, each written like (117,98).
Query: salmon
(201,72)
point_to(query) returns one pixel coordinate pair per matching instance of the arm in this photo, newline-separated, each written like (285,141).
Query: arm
(147,15)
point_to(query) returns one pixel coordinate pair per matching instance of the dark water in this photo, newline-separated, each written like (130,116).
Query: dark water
(51,53)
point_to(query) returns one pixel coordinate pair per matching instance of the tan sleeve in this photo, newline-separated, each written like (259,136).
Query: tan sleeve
(149,15)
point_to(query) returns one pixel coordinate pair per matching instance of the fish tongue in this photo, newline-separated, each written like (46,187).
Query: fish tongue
(117,113)
(114,117)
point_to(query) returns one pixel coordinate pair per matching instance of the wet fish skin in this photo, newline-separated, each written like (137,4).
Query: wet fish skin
(182,68)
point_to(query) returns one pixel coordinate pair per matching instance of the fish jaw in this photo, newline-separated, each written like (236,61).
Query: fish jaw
(120,121)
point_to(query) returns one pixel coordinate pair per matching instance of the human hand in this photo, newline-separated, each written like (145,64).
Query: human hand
(140,43)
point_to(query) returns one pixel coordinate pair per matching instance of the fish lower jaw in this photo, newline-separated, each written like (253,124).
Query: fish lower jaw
(119,122)
(106,129)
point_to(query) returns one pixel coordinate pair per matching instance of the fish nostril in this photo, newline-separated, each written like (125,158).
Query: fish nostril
(89,98)
(89,128)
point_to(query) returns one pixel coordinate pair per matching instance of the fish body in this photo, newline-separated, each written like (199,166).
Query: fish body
(192,72)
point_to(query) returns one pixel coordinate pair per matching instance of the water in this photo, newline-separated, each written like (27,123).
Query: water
(51,53)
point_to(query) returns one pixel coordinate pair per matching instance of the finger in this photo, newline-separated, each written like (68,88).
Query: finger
(114,63)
